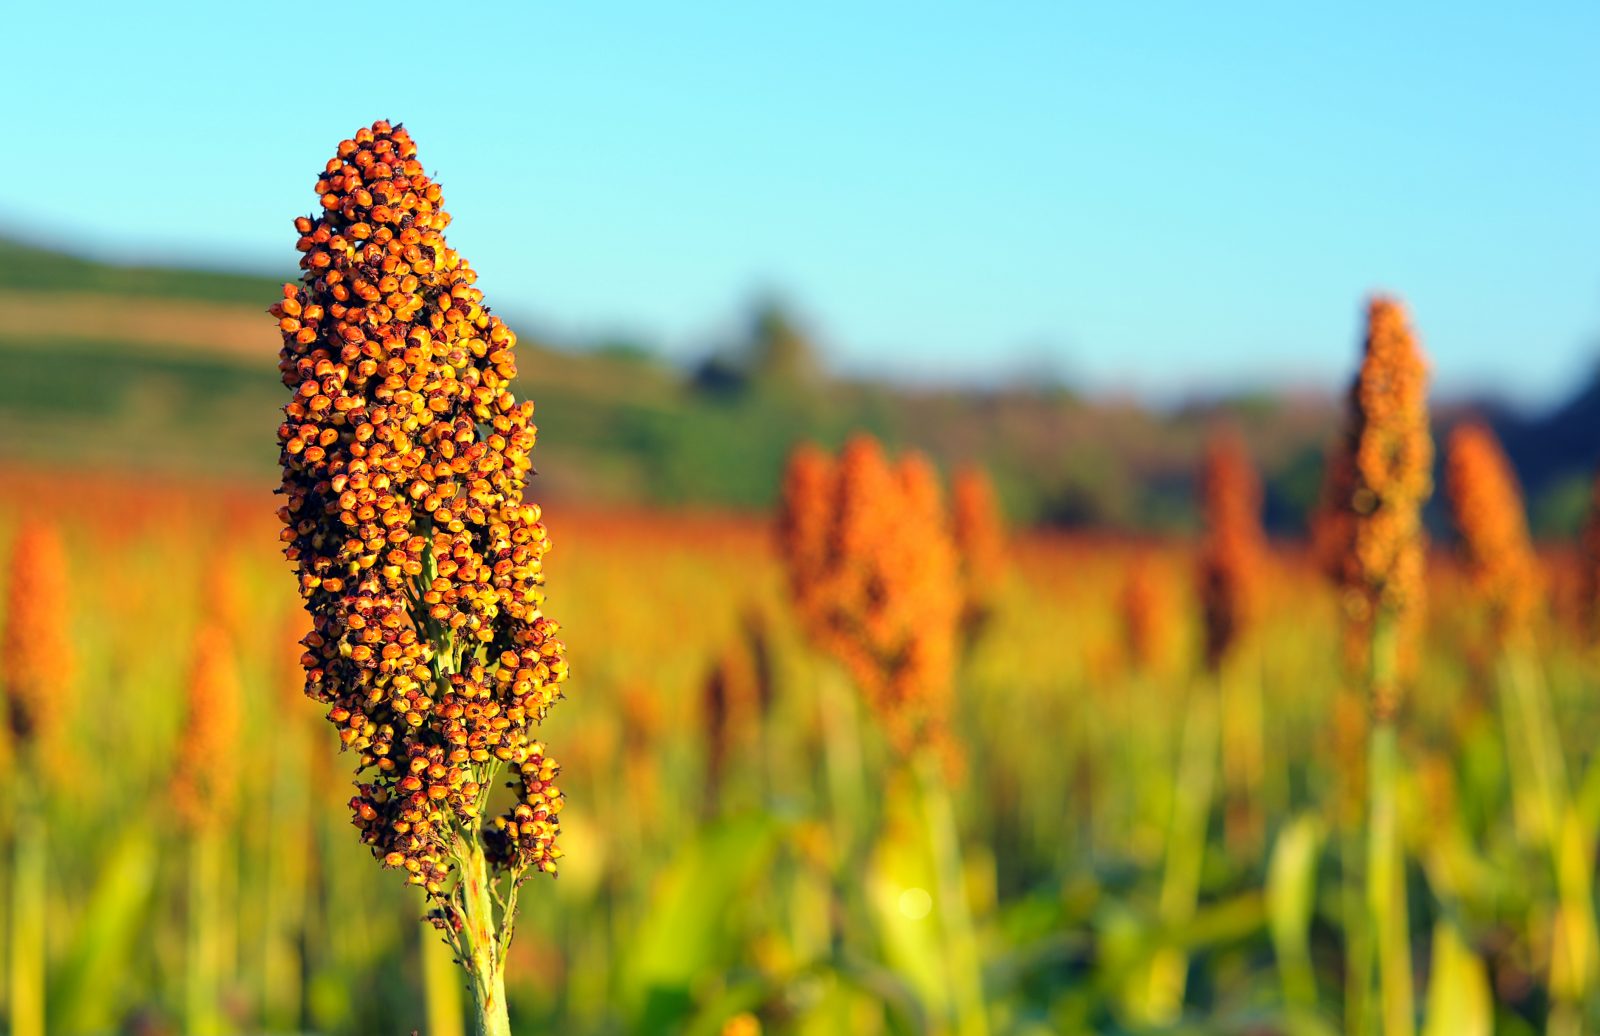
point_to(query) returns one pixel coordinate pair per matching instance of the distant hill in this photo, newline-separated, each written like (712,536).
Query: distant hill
(155,368)
(31,268)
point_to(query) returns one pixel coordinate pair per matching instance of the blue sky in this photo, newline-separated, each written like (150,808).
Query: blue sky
(1154,197)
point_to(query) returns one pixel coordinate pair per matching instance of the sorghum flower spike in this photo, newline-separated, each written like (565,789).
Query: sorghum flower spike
(405,459)
(873,573)
(36,657)
(1148,612)
(1379,479)
(1486,503)
(804,516)
(204,779)
(1232,552)
(980,539)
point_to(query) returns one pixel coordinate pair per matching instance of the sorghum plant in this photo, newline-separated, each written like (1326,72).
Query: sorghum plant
(1231,577)
(405,459)
(874,577)
(980,539)
(735,695)
(203,790)
(1373,537)
(1148,613)
(1486,504)
(36,664)
(1228,583)
(1231,555)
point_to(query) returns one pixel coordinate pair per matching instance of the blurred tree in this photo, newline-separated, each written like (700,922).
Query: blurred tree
(779,353)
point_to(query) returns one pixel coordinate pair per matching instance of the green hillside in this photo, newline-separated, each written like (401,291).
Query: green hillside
(26,267)
(615,425)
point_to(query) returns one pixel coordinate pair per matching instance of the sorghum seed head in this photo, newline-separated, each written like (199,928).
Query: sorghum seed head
(873,574)
(1486,504)
(405,459)
(804,512)
(203,781)
(733,698)
(1231,555)
(1149,613)
(980,540)
(36,658)
(1380,475)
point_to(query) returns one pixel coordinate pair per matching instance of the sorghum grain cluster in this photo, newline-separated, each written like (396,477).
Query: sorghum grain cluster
(405,458)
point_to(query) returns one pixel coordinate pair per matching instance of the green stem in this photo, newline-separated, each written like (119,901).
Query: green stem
(200,993)
(1386,888)
(1386,876)
(1357,933)
(1291,893)
(480,940)
(28,890)
(287,886)
(962,960)
(1243,759)
(1543,773)
(1186,845)
(841,755)
(441,986)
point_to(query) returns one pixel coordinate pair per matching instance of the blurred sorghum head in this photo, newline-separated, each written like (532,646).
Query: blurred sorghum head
(980,539)
(36,658)
(1381,473)
(873,572)
(204,778)
(1232,552)
(1486,504)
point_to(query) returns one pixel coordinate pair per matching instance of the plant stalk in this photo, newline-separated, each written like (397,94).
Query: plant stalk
(962,959)
(1186,845)
(29,871)
(441,986)
(200,991)
(481,941)
(1543,777)
(1386,878)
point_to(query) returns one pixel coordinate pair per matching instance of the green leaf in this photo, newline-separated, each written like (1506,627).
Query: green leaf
(688,932)
(1459,1001)
(111,921)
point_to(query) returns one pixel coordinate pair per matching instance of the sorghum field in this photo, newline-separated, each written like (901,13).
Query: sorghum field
(300,752)
(1138,841)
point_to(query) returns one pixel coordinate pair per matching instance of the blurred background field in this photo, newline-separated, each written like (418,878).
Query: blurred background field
(696,894)
(744,854)
(1063,247)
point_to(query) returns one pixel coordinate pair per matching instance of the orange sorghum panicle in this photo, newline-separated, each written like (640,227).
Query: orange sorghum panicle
(873,573)
(36,666)
(203,781)
(1332,523)
(1378,482)
(924,590)
(804,513)
(1231,554)
(1148,610)
(405,459)
(980,540)
(1486,503)
(733,697)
